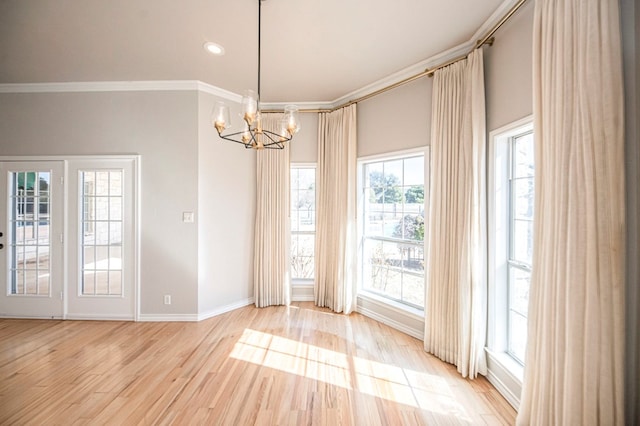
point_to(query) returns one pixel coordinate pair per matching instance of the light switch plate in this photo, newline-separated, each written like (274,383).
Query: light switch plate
(187,217)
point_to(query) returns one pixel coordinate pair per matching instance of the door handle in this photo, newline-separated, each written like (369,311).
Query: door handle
(1,246)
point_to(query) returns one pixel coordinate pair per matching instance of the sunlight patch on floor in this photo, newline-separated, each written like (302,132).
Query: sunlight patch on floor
(404,386)
(293,357)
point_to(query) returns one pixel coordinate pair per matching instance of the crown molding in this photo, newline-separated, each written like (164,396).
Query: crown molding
(495,17)
(301,105)
(217,91)
(405,73)
(186,85)
(430,62)
(100,86)
(120,86)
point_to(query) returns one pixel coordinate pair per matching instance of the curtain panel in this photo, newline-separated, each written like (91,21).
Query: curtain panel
(574,361)
(271,276)
(455,300)
(336,245)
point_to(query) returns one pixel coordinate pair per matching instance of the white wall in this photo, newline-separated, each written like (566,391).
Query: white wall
(226,216)
(162,128)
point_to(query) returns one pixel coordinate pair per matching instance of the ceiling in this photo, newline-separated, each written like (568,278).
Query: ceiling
(312,50)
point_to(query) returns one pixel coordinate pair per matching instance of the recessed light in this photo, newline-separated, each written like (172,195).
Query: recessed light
(214,48)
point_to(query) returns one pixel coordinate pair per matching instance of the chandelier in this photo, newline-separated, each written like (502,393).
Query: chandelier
(253,135)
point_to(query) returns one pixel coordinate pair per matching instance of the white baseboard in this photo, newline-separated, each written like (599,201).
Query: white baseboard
(50,317)
(98,317)
(302,293)
(226,308)
(168,318)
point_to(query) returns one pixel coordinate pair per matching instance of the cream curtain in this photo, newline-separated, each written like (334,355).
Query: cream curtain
(335,283)
(271,252)
(574,361)
(455,305)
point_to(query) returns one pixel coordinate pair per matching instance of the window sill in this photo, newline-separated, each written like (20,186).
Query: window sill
(367,295)
(396,315)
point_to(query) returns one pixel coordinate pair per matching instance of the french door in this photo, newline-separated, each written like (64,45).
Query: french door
(102,246)
(31,227)
(68,238)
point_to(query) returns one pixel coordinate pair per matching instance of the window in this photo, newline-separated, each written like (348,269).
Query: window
(521,190)
(511,237)
(393,232)
(303,222)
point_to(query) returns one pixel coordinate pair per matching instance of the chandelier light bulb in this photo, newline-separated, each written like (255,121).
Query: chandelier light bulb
(220,117)
(250,107)
(291,118)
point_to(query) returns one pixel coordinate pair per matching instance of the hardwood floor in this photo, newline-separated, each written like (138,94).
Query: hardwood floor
(278,365)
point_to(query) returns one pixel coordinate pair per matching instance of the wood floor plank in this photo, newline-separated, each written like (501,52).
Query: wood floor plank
(297,365)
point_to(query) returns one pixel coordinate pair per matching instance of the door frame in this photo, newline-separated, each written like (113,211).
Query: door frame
(66,160)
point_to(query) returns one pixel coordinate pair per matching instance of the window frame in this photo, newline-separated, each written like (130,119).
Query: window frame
(302,165)
(361,163)
(500,238)
(512,261)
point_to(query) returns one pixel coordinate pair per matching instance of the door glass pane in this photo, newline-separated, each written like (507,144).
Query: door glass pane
(29,243)
(101,227)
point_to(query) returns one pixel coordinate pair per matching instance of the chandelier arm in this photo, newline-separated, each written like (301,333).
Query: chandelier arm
(236,141)
(274,146)
(227,136)
(278,137)
(277,141)
(230,138)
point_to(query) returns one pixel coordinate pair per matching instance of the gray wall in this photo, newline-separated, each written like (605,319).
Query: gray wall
(226,215)
(508,70)
(395,120)
(162,128)
(304,146)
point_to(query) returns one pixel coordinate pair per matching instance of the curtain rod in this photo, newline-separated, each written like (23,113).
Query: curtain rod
(487,39)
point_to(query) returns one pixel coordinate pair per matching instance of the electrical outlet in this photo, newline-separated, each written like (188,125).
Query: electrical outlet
(167,299)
